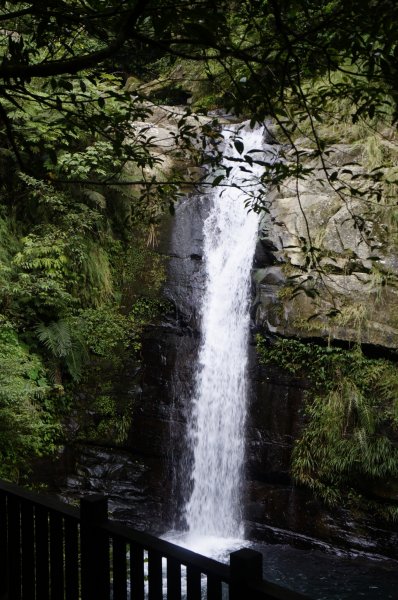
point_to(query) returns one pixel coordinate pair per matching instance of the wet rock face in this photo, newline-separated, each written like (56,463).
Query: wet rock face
(272,427)
(169,355)
(285,514)
(182,242)
(131,484)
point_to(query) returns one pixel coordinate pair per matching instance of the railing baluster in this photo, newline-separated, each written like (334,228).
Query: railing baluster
(71,560)
(94,544)
(173,579)
(246,568)
(155,575)
(137,573)
(3,545)
(42,554)
(14,549)
(214,588)
(119,569)
(193,583)
(56,557)
(27,549)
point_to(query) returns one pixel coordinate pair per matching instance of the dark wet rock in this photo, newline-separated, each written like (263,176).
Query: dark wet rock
(183,241)
(133,487)
(285,514)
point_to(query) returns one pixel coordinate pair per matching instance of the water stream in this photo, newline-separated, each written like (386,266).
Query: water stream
(216,431)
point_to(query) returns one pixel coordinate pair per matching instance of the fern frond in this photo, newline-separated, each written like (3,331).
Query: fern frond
(56,337)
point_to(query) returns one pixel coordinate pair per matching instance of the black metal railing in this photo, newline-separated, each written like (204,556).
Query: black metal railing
(51,551)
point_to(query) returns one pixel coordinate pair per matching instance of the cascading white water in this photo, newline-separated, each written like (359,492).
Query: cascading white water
(217,430)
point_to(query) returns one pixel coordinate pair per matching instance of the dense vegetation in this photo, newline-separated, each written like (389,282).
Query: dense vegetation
(78,276)
(66,260)
(79,196)
(347,452)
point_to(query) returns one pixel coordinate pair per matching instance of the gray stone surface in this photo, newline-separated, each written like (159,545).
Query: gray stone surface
(334,250)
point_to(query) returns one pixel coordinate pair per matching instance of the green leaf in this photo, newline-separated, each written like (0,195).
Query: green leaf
(239,146)
(217,180)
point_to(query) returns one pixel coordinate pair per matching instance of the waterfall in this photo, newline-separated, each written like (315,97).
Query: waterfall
(217,428)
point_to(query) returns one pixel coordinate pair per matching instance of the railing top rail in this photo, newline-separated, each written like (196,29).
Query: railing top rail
(128,534)
(38,499)
(168,550)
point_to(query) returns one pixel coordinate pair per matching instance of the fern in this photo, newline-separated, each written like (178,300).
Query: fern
(96,274)
(62,343)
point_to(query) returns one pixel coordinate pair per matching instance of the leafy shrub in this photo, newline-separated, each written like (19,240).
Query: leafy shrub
(27,424)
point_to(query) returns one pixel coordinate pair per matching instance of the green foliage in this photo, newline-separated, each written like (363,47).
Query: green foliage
(95,284)
(64,272)
(97,159)
(49,272)
(28,426)
(112,423)
(56,337)
(45,255)
(109,333)
(259,59)
(138,267)
(62,342)
(104,330)
(349,440)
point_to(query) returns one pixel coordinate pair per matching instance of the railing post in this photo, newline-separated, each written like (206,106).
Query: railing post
(246,567)
(3,548)
(94,546)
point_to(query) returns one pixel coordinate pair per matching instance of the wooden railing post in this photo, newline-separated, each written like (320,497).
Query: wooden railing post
(246,567)
(3,548)
(94,547)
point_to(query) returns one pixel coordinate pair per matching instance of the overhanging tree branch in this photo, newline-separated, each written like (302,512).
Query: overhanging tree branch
(18,13)
(78,63)
(11,137)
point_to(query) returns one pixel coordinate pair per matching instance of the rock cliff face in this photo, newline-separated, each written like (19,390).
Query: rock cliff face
(318,275)
(339,251)
(276,510)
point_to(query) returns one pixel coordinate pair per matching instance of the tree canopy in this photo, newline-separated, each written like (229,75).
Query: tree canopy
(64,66)
(55,56)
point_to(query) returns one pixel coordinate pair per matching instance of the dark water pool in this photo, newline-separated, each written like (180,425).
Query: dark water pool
(318,574)
(324,576)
